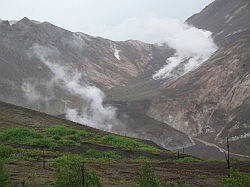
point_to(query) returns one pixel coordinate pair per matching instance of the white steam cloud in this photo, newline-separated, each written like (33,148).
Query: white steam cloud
(93,113)
(193,46)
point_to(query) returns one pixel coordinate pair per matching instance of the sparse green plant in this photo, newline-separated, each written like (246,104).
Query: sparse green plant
(69,171)
(67,142)
(91,179)
(92,153)
(20,135)
(6,151)
(188,159)
(127,143)
(236,179)
(4,177)
(234,160)
(173,183)
(60,130)
(147,177)
(126,183)
(44,142)
(26,136)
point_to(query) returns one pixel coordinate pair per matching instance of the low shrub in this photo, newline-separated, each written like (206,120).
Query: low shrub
(147,177)
(6,151)
(4,177)
(69,172)
(236,179)
(91,179)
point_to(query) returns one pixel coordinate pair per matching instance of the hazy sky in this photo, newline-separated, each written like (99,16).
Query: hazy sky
(97,17)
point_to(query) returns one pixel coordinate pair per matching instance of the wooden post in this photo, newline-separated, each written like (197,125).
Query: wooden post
(43,159)
(178,155)
(183,150)
(83,179)
(227,156)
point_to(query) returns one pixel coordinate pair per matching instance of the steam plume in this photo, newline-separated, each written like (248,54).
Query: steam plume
(93,112)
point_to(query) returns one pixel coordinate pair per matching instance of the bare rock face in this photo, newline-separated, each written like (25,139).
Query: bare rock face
(212,102)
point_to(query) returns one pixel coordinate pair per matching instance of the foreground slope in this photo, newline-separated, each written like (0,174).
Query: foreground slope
(120,168)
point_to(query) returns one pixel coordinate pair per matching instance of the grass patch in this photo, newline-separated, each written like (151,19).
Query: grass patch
(147,177)
(4,177)
(60,130)
(25,136)
(127,143)
(6,151)
(67,142)
(66,136)
(236,179)
(20,135)
(92,153)
(188,159)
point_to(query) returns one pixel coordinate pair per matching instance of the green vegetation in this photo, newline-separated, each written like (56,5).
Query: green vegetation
(5,152)
(128,143)
(236,179)
(66,136)
(147,177)
(4,177)
(58,135)
(142,159)
(91,179)
(62,131)
(176,183)
(69,172)
(188,159)
(92,153)
(67,142)
(25,136)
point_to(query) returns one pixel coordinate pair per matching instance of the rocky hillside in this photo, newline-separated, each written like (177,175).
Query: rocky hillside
(213,101)
(103,62)
(50,69)
(47,68)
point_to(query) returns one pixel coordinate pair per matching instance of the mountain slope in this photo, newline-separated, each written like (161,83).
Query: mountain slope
(53,70)
(224,18)
(40,66)
(213,101)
